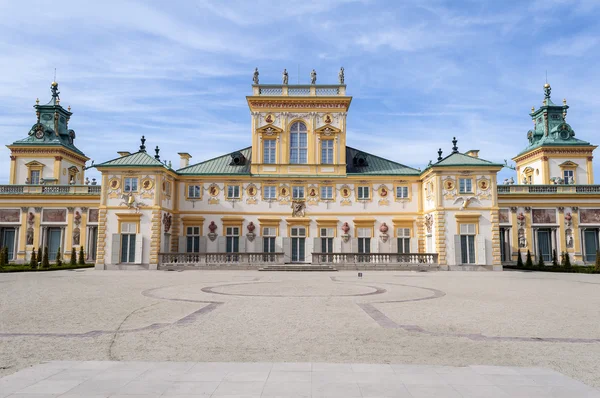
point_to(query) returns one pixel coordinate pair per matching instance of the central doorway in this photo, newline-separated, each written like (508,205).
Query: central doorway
(298,244)
(54,240)
(544,238)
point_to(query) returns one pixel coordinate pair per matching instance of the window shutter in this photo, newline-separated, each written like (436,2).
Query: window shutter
(481,250)
(182,244)
(278,244)
(115,249)
(309,250)
(139,248)
(394,245)
(242,247)
(202,245)
(354,246)
(316,247)
(337,245)
(457,251)
(221,244)
(374,245)
(287,250)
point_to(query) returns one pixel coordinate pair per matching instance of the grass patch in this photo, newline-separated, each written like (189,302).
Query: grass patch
(53,267)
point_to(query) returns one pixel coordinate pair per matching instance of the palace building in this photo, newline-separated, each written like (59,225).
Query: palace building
(300,193)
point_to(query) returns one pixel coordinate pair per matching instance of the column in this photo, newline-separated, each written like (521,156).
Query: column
(83,230)
(22,248)
(577,252)
(68,231)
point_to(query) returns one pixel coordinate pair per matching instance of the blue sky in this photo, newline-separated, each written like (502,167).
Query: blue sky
(420,72)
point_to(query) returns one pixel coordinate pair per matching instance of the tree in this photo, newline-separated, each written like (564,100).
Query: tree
(541,263)
(519,259)
(73,260)
(45,259)
(567,260)
(39,255)
(528,260)
(59,262)
(33,261)
(597,263)
(562,259)
(81,256)
(2,258)
(5,255)
(554,259)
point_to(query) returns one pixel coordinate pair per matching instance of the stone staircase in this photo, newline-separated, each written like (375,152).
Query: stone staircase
(298,267)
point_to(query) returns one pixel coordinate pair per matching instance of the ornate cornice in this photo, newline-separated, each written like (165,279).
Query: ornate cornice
(47,151)
(299,104)
(553,151)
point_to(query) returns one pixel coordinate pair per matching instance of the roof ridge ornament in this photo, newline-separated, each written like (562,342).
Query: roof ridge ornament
(55,92)
(454,148)
(547,91)
(143,147)
(157,150)
(440,154)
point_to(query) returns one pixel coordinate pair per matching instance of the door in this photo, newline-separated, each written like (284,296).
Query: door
(504,244)
(54,235)
(232,243)
(298,244)
(544,245)
(93,238)
(590,244)
(127,248)
(8,240)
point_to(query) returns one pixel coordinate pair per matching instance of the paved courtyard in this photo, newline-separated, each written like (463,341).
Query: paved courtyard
(436,319)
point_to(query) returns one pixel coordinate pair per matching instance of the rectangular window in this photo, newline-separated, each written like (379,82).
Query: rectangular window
(297,192)
(364,192)
(232,239)
(327,240)
(194,191)
(467,243)
(128,231)
(327,152)
(269,192)
(401,192)
(568,176)
(403,240)
(364,241)
(269,234)
(269,151)
(465,185)
(34,177)
(233,191)
(130,184)
(193,239)
(326,193)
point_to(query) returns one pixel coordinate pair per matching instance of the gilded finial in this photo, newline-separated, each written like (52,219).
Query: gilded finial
(57,101)
(547,91)
(532,109)
(69,108)
(37,101)
(564,101)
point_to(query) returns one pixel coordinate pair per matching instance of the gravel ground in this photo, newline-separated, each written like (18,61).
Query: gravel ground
(436,318)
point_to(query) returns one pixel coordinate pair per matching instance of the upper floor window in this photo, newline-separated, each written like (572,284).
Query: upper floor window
(465,185)
(401,192)
(364,192)
(297,192)
(233,192)
(130,184)
(568,176)
(327,152)
(269,151)
(298,143)
(194,191)
(327,193)
(269,192)
(34,177)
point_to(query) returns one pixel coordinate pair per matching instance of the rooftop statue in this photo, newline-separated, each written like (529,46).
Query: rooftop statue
(255,77)
(313,77)
(285,76)
(341,75)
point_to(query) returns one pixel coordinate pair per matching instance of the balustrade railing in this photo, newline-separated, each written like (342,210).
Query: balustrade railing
(214,259)
(548,189)
(420,259)
(299,90)
(33,189)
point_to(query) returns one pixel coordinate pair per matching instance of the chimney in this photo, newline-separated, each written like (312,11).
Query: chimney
(124,153)
(184,159)
(473,152)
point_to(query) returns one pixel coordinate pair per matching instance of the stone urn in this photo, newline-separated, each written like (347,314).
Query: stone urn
(383,229)
(251,235)
(212,235)
(345,230)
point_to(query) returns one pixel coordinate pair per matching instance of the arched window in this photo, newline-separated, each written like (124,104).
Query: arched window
(298,143)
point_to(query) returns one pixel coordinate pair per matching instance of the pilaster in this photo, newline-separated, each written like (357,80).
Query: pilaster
(576,235)
(100,252)
(496,253)
(440,237)
(155,237)
(69,233)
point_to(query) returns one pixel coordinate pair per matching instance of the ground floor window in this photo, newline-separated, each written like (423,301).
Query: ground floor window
(193,239)
(590,244)
(8,239)
(403,236)
(327,240)
(269,234)
(467,243)
(298,235)
(128,231)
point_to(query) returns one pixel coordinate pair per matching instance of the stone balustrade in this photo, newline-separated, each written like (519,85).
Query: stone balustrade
(299,90)
(248,260)
(550,189)
(382,259)
(50,189)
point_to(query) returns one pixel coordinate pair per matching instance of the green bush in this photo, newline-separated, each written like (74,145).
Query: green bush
(39,255)
(73,260)
(5,260)
(81,256)
(541,263)
(597,263)
(58,258)
(33,260)
(554,259)
(519,259)
(45,259)
(528,260)
(567,260)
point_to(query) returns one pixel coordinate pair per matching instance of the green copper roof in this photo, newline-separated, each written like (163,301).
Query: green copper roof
(374,165)
(460,159)
(221,165)
(138,159)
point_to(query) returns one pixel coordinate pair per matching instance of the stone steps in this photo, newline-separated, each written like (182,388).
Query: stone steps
(299,267)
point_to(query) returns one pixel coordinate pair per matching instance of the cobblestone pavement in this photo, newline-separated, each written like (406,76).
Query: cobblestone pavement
(513,319)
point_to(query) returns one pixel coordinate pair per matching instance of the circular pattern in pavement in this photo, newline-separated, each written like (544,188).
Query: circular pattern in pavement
(293,289)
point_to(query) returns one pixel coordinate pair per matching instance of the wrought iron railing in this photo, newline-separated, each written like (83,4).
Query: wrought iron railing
(50,189)
(548,189)
(409,259)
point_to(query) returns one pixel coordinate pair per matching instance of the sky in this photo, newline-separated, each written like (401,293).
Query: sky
(419,72)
